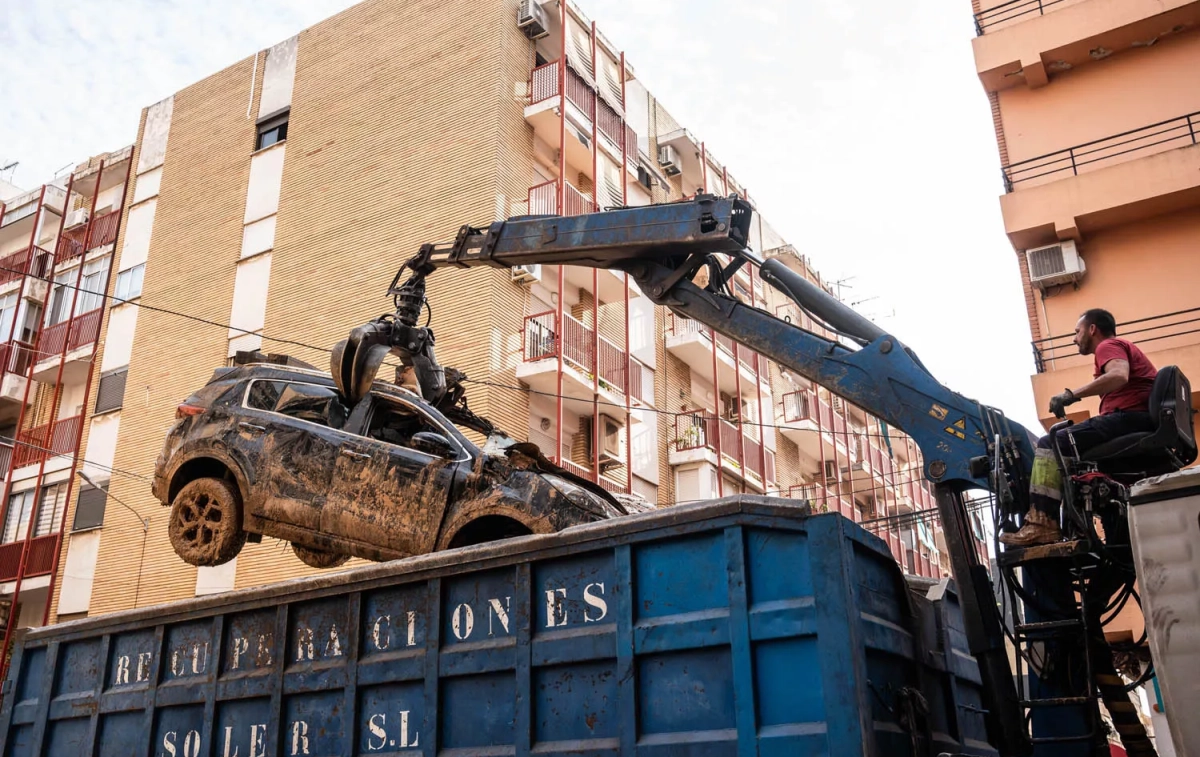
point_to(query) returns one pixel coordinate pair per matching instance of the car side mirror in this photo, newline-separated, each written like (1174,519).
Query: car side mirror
(433,444)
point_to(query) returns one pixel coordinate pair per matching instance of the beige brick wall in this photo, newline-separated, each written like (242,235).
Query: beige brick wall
(195,245)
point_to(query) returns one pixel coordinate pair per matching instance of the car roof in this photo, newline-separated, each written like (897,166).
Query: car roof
(276,371)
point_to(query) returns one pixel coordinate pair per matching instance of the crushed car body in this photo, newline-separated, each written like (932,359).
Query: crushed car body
(270,449)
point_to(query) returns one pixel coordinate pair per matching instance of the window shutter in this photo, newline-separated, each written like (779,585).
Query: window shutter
(111,392)
(89,512)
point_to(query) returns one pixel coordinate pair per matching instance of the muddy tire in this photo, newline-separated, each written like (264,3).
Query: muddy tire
(205,525)
(316,558)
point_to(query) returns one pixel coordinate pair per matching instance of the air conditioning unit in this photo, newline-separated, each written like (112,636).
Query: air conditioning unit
(668,158)
(531,19)
(77,217)
(1055,264)
(612,440)
(527,273)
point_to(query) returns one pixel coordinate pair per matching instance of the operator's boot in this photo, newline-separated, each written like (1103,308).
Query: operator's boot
(1039,528)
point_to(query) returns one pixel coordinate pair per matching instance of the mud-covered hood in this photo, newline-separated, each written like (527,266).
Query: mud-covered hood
(581,492)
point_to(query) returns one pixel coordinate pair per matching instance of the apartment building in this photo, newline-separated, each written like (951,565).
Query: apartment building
(275,199)
(56,251)
(1097,113)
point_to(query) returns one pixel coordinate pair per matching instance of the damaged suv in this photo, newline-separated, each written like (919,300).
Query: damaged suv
(267,449)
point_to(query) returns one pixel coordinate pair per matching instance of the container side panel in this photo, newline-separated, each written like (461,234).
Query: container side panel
(312,724)
(317,633)
(393,621)
(130,661)
(242,728)
(67,738)
(680,576)
(187,649)
(20,742)
(575,702)
(250,645)
(390,717)
(682,692)
(29,685)
(478,607)
(574,592)
(177,731)
(121,735)
(778,566)
(78,670)
(478,711)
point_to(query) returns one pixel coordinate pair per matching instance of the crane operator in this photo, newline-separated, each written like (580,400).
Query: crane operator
(1123,379)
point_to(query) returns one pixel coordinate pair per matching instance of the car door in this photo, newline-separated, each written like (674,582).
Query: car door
(384,491)
(291,430)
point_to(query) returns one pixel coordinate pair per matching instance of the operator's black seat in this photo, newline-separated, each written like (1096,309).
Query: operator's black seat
(1169,447)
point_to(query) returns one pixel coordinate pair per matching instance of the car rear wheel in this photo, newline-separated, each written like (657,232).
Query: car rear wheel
(318,558)
(205,526)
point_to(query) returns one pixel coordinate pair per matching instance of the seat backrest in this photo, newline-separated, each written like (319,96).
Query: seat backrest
(1171,407)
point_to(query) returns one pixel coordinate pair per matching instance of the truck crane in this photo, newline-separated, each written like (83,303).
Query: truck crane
(966,445)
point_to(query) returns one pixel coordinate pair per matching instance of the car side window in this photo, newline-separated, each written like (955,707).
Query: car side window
(395,423)
(306,402)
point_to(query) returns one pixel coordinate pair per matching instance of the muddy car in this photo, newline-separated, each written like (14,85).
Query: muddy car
(273,450)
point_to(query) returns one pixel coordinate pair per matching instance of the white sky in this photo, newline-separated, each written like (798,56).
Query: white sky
(858,126)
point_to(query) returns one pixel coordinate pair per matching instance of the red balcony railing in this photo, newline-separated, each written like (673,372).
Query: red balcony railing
(543,200)
(543,82)
(609,123)
(15,357)
(40,561)
(69,335)
(579,92)
(42,550)
(84,329)
(71,244)
(821,496)
(756,363)
(700,431)
(53,340)
(637,382)
(6,452)
(797,406)
(104,229)
(631,144)
(40,442)
(10,560)
(31,260)
(577,203)
(541,339)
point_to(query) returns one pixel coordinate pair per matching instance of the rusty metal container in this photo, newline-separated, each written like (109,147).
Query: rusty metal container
(740,626)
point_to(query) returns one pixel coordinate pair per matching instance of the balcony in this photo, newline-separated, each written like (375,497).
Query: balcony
(6,453)
(692,342)
(1136,174)
(804,415)
(544,201)
(15,359)
(541,343)
(33,261)
(1028,41)
(1167,339)
(72,341)
(696,439)
(71,244)
(39,562)
(42,442)
(103,230)
(583,472)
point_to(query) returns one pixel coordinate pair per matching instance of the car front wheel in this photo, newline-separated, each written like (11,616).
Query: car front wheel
(205,527)
(316,558)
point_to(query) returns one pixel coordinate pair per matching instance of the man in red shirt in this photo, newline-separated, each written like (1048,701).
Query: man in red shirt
(1123,379)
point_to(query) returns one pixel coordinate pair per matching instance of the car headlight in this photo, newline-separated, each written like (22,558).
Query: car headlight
(580,497)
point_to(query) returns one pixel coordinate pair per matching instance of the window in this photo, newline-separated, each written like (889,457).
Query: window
(50,512)
(60,298)
(306,402)
(395,423)
(89,511)
(91,286)
(8,313)
(272,131)
(20,507)
(111,393)
(129,282)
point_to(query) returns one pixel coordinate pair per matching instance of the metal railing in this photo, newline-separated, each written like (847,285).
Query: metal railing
(6,452)
(1008,11)
(541,341)
(1141,331)
(750,359)
(40,442)
(31,260)
(40,560)
(53,340)
(71,244)
(15,357)
(104,229)
(699,431)
(1164,135)
(609,123)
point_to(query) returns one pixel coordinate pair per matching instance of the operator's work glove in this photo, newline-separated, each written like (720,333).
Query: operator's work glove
(1059,402)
